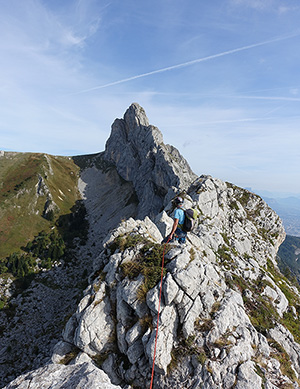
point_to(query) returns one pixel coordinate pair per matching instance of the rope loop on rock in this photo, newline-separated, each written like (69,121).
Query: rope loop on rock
(161,280)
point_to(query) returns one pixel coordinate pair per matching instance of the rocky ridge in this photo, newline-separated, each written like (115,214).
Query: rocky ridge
(206,335)
(135,176)
(33,323)
(156,170)
(227,316)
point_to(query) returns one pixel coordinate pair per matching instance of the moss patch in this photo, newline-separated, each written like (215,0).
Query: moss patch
(70,356)
(186,348)
(123,242)
(281,355)
(147,262)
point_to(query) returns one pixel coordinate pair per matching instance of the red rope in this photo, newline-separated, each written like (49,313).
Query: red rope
(161,280)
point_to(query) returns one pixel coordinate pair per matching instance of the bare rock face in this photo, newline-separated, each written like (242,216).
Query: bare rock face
(227,315)
(43,190)
(155,169)
(85,375)
(210,333)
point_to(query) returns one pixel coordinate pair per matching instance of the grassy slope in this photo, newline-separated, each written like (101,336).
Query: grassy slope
(20,207)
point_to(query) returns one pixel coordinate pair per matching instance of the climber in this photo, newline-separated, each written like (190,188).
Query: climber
(177,232)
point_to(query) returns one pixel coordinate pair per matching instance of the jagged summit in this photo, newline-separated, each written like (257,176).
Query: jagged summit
(140,156)
(136,175)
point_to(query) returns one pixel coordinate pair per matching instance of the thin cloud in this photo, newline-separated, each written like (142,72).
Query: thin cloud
(276,109)
(221,121)
(189,63)
(265,5)
(280,98)
(256,4)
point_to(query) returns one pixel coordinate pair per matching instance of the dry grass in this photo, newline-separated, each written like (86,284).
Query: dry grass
(20,208)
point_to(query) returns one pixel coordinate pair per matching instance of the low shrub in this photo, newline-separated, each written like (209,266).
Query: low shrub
(147,262)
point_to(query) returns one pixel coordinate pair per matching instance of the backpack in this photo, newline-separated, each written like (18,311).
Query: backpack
(189,220)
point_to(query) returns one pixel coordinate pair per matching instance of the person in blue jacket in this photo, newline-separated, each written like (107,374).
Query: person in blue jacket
(177,233)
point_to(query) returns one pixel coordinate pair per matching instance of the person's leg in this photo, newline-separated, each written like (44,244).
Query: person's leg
(181,235)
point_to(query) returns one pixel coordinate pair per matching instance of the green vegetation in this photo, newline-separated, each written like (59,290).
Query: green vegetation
(261,313)
(224,254)
(226,239)
(215,308)
(281,355)
(237,282)
(47,247)
(292,324)
(288,249)
(230,185)
(100,358)
(204,325)
(289,253)
(187,347)
(245,197)
(192,254)
(282,282)
(288,319)
(21,208)
(147,262)
(264,234)
(146,322)
(70,356)
(260,309)
(123,242)
(29,241)
(42,252)
(149,265)
(260,372)
(234,205)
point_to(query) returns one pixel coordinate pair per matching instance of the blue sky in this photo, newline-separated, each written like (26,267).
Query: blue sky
(219,78)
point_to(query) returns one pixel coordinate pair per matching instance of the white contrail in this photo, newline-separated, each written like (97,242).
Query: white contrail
(181,65)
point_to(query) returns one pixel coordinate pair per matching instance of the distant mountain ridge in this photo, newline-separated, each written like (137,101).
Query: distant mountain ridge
(288,208)
(35,189)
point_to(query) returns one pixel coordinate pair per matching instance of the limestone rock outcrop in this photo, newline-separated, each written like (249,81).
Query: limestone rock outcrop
(155,169)
(209,335)
(43,190)
(228,317)
(83,375)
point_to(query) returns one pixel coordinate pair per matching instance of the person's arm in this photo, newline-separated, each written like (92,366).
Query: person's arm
(175,224)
